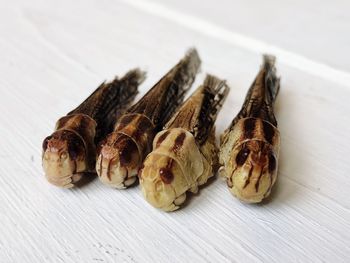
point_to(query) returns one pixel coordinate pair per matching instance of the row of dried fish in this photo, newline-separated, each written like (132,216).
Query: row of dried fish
(169,145)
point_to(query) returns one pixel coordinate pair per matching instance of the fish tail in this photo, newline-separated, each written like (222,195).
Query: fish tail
(184,76)
(262,94)
(109,100)
(167,94)
(199,111)
(122,93)
(272,82)
(215,93)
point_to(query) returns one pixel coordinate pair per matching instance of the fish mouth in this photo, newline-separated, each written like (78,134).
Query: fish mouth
(158,194)
(63,159)
(118,163)
(112,174)
(59,170)
(251,184)
(156,178)
(159,200)
(254,171)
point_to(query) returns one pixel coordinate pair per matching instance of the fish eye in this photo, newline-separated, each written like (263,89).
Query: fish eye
(73,150)
(45,142)
(272,162)
(127,152)
(242,156)
(64,155)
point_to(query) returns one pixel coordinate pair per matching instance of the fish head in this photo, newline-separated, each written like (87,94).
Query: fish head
(161,181)
(118,161)
(64,158)
(253,170)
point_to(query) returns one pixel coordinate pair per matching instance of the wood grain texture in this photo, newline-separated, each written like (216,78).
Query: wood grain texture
(55,53)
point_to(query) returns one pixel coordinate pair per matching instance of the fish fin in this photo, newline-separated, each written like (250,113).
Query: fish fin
(199,112)
(215,93)
(107,102)
(272,82)
(168,93)
(262,94)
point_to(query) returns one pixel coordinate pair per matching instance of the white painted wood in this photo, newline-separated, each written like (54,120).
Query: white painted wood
(54,53)
(212,30)
(313,28)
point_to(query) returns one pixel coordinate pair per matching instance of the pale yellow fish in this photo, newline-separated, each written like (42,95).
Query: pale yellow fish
(184,154)
(250,146)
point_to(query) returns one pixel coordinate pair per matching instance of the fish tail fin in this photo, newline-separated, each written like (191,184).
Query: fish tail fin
(272,82)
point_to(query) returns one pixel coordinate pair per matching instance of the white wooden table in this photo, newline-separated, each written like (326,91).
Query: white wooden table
(54,53)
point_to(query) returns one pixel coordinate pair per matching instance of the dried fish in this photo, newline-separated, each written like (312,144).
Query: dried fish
(123,151)
(70,152)
(184,154)
(250,146)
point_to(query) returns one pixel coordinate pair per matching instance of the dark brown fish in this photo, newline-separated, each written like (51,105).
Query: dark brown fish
(70,152)
(184,154)
(123,151)
(250,146)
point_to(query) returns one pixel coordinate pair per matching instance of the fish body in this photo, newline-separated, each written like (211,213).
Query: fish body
(184,154)
(250,146)
(70,151)
(124,150)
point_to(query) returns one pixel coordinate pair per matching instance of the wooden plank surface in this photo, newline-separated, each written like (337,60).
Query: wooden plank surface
(54,53)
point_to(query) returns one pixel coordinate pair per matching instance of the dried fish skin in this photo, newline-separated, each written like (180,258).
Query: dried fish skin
(250,147)
(69,152)
(135,131)
(184,154)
